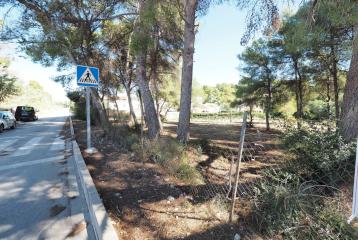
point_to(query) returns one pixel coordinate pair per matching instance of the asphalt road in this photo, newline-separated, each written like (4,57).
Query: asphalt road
(39,194)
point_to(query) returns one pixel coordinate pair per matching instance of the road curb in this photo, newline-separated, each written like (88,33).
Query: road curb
(99,218)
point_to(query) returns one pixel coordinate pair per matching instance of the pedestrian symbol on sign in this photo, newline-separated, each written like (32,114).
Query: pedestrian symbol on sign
(87,76)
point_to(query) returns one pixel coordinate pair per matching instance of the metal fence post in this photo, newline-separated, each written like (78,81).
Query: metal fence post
(355,190)
(238,163)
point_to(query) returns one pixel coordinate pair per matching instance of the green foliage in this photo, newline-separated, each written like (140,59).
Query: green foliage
(169,92)
(222,94)
(176,158)
(286,205)
(123,135)
(197,93)
(317,110)
(298,201)
(78,107)
(8,84)
(323,157)
(259,86)
(33,95)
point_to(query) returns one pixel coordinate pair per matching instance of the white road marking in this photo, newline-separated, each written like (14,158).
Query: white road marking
(5,144)
(30,163)
(27,148)
(12,137)
(57,145)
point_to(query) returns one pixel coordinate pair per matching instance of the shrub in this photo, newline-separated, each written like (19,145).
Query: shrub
(178,160)
(317,110)
(123,135)
(286,205)
(78,108)
(320,156)
(299,200)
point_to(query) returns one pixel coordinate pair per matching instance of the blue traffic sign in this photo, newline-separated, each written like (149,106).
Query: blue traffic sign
(87,76)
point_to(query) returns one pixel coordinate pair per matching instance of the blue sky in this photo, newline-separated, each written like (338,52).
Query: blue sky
(218,44)
(215,59)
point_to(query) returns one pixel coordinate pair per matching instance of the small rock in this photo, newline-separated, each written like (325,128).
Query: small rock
(189,197)
(171,198)
(237,236)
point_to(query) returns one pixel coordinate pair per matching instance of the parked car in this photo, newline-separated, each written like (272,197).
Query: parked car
(25,113)
(7,120)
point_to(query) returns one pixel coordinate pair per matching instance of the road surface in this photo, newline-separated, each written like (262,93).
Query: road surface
(39,194)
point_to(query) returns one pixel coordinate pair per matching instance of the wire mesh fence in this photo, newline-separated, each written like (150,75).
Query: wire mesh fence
(321,194)
(220,168)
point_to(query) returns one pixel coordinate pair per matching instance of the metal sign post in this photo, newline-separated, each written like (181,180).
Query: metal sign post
(88,117)
(88,77)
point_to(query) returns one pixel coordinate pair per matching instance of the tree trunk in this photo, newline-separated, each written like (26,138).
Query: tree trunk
(150,113)
(268,103)
(98,106)
(187,71)
(151,118)
(158,104)
(335,83)
(251,118)
(349,123)
(117,108)
(329,104)
(299,94)
(155,76)
(131,108)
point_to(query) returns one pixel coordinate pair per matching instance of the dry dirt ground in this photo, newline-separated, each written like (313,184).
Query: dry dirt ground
(146,203)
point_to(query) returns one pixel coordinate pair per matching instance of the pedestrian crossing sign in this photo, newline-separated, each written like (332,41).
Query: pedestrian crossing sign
(87,76)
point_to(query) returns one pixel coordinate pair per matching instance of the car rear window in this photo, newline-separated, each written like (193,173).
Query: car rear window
(24,108)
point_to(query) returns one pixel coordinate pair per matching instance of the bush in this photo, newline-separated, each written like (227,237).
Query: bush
(323,157)
(295,209)
(299,200)
(123,135)
(178,160)
(78,108)
(317,110)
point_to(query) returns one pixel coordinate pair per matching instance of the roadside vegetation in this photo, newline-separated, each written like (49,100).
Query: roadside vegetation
(172,179)
(303,198)
(8,84)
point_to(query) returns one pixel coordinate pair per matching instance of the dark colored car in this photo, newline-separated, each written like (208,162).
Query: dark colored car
(25,113)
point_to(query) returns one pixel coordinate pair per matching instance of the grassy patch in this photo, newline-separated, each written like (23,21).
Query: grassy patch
(178,160)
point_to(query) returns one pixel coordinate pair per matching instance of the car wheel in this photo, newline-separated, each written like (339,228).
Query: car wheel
(13,126)
(1,128)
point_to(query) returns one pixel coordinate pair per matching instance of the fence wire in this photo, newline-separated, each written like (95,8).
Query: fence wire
(220,168)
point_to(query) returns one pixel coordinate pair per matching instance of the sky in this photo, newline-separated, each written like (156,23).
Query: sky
(25,70)
(218,43)
(215,59)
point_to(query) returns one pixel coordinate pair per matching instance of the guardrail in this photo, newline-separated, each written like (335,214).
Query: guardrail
(99,218)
